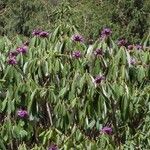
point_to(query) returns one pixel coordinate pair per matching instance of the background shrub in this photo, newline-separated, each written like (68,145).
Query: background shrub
(128,18)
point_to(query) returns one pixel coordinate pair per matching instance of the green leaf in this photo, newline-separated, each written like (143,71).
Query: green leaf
(63,91)
(91,124)
(141,73)
(2,145)
(31,101)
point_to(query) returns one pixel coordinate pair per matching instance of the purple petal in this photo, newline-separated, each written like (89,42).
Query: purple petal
(130,47)
(13,54)
(36,32)
(107,130)
(122,42)
(76,54)
(132,61)
(22,113)
(22,49)
(43,34)
(99,79)
(77,38)
(106,32)
(53,147)
(12,61)
(139,47)
(98,52)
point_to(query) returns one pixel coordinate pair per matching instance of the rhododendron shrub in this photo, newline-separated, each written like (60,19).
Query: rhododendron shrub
(57,92)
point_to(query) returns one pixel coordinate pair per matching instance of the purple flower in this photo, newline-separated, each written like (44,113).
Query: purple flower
(40,33)
(22,113)
(98,52)
(13,54)
(76,54)
(23,49)
(139,47)
(36,32)
(122,42)
(106,32)
(77,38)
(43,34)
(132,61)
(130,47)
(99,79)
(53,147)
(12,60)
(106,130)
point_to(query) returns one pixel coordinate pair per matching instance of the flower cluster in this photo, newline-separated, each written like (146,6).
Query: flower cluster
(99,79)
(107,130)
(122,42)
(77,38)
(40,33)
(12,57)
(76,54)
(137,46)
(13,54)
(106,32)
(12,60)
(22,113)
(98,52)
(132,61)
(22,49)
(130,47)
(53,147)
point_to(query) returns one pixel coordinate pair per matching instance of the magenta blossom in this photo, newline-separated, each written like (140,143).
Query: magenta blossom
(40,33)
(36,32)
(132,61)
(107,130)
(98,52)
(99,79)
(22,113)
(130,47)
(122,42)
(12,60)
(13,54)
(76,54)
(43,34)
(77,38)
(139,47)
(23,49)
(106,32)
(53,147)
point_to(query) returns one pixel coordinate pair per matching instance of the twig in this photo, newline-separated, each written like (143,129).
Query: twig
(49,114)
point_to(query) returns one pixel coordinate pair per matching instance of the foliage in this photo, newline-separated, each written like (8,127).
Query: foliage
(128,18)
(65,105)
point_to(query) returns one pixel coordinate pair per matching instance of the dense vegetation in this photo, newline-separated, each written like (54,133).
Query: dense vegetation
(74,76)
(128,18)
(57,91)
